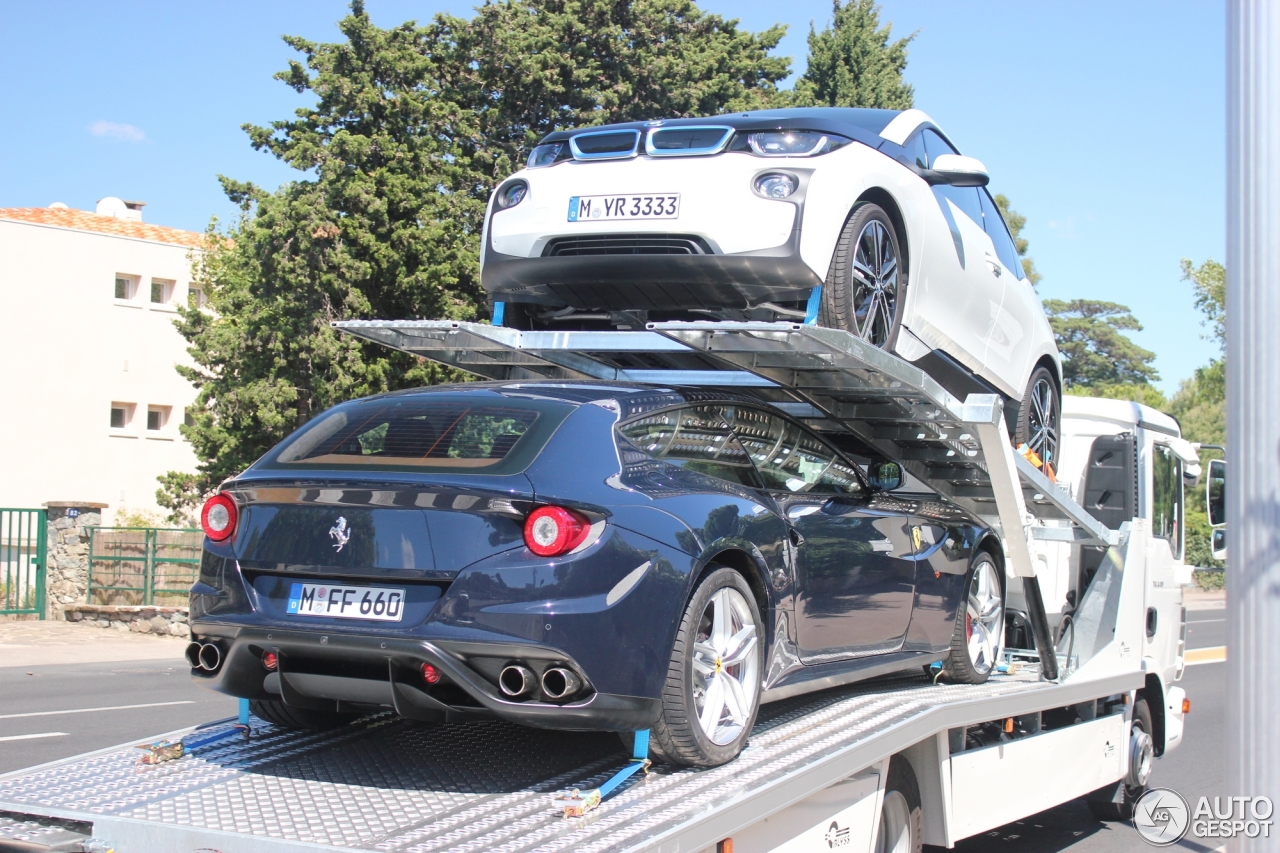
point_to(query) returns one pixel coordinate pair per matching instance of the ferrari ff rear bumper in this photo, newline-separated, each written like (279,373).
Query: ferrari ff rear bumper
(331,671)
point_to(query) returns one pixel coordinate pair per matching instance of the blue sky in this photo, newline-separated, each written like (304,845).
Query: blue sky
(1103,122)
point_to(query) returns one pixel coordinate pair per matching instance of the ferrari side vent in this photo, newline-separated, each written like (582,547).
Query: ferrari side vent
(627,244)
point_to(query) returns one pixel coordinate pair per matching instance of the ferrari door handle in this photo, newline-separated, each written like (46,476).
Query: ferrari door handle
(795,537)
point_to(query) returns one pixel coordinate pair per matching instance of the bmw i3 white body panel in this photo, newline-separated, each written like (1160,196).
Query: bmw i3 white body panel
(962,299)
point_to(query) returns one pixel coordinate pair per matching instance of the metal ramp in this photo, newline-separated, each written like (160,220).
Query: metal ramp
(383,784)
(829,378)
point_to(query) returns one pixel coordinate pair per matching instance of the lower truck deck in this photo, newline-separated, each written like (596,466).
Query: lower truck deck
(385,784)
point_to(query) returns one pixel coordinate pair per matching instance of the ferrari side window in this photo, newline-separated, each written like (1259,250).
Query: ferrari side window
(697,439)
(790,458)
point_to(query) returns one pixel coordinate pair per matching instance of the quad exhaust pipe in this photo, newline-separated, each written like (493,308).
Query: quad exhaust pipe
(559,683)
(516,680)
(204,656)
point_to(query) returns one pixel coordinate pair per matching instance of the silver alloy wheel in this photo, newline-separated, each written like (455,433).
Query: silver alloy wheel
(1043,432)
(726,667)
(894,835)
(875,301)
(984,618)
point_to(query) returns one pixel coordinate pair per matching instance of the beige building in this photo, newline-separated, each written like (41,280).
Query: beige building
(87,353)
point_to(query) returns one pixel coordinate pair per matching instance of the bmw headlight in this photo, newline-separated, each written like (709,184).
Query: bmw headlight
(512,194)
(778,185)
(794,143)
(545,155)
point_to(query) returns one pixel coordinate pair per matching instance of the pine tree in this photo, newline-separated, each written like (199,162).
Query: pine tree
(853,62)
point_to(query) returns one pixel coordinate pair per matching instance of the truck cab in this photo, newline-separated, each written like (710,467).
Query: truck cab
(1128,463)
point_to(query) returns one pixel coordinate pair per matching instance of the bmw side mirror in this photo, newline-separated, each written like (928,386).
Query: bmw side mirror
(958,171)
(885,476)
(1215,493)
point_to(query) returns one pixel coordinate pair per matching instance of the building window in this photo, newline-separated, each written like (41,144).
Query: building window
(195,297)
(121,414)
(157,417)
(126,287)
(161,291)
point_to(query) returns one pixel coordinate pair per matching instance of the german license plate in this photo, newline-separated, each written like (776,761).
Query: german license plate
(346,602)
(605,207)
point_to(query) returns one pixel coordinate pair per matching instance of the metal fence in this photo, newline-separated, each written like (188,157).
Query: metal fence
(143,565)
(22,561)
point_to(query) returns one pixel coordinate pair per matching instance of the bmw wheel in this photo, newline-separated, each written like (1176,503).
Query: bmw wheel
(979,631)
(712,691)
(865,286)
(1040,417)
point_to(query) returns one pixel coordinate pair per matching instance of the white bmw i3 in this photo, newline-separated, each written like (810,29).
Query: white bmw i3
(865,220)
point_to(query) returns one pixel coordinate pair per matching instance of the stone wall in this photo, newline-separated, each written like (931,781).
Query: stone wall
(67,577)
(140,619)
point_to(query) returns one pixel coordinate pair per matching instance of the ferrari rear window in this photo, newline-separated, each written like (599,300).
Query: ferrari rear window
(463,433)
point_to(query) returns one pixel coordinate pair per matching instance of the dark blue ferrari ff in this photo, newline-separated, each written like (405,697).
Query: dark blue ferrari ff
(580,556)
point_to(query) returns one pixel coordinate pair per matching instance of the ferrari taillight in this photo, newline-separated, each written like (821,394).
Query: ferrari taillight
(218,517)
(550,531)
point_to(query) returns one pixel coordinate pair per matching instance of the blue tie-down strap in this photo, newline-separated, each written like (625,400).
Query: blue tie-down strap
(579,803)
(171,750)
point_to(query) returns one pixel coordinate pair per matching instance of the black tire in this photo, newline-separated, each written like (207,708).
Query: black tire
(281,714)
(1105,809)
(972,661)
(901,828)
(1042,392)
(678,736)
(847,293)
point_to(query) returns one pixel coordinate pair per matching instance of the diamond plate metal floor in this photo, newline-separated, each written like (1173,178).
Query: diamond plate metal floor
(383,784)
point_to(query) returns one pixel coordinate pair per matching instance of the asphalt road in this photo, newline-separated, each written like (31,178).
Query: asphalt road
(1196,768)
(45,713)
(121,690)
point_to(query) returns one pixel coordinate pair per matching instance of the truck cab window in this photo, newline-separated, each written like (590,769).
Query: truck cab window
(1167,498)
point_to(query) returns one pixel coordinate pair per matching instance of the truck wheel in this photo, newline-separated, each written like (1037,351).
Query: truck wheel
(1141,756)
(901,820)
(866,284)
(281,714)
(979,632)
(1039,417)
(712,691)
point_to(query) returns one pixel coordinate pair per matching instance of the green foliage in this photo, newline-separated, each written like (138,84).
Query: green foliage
(1211,581)
(125,517)
(1210,283)
(407,132)
(1016,221)
(1096,352)
(853,63)
(1138,392)
(528,68)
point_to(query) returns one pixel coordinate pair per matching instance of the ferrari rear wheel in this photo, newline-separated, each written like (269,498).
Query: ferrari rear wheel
(712,691)
(866,284)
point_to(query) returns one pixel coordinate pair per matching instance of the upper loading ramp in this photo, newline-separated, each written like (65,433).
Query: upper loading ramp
(831,379)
